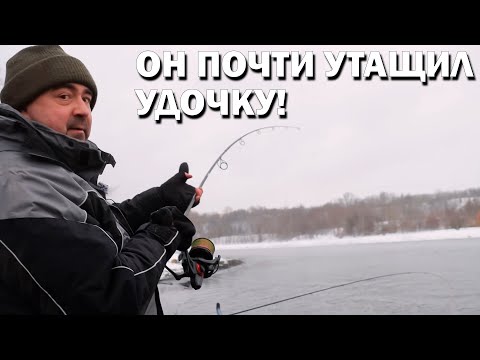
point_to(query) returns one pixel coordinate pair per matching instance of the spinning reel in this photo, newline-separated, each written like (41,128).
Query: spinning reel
(198,263)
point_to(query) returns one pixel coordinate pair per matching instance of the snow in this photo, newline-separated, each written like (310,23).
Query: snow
(322,240)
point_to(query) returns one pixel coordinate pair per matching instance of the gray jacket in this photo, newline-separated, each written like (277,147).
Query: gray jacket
(63,248)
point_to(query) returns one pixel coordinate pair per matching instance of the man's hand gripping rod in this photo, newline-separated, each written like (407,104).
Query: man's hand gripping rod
(198,263)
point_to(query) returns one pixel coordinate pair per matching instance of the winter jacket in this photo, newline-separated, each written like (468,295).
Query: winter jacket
(65,249)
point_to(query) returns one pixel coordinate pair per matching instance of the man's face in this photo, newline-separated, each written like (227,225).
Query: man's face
(65,109)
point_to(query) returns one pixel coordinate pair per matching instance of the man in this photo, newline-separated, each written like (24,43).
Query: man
(63,248)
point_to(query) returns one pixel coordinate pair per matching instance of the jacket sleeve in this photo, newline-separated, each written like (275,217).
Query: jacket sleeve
(138,209)
(61,251)
(67,267)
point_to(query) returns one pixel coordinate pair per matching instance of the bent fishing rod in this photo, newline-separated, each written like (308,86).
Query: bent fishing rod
(219,310)
(198,263)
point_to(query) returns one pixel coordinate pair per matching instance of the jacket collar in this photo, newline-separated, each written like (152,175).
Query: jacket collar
(82,157)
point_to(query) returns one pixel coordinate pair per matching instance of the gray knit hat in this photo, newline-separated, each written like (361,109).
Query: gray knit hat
(38,68)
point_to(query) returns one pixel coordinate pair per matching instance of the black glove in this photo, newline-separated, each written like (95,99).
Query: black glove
(176,192)
(171,216)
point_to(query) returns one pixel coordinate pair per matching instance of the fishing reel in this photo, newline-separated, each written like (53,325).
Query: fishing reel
(198,263)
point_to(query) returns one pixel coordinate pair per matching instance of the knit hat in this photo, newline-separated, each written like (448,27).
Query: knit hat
(38,68)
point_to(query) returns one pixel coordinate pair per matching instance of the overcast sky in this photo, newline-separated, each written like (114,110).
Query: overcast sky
(357,136)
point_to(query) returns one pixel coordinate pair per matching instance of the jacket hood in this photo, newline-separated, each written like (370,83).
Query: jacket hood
(81,157)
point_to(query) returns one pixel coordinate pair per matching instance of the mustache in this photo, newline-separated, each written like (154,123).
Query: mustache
(77,122)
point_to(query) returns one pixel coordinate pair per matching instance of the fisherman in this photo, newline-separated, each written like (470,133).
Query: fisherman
(65,249)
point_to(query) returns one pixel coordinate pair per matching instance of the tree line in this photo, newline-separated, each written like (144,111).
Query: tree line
(348,216)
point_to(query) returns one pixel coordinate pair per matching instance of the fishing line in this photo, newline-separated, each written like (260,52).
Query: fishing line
(219,311)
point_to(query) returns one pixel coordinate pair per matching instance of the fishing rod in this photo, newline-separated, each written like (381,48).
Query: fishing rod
(219,310)
(198,263)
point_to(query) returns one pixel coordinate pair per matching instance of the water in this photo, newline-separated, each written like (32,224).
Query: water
(268,275)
